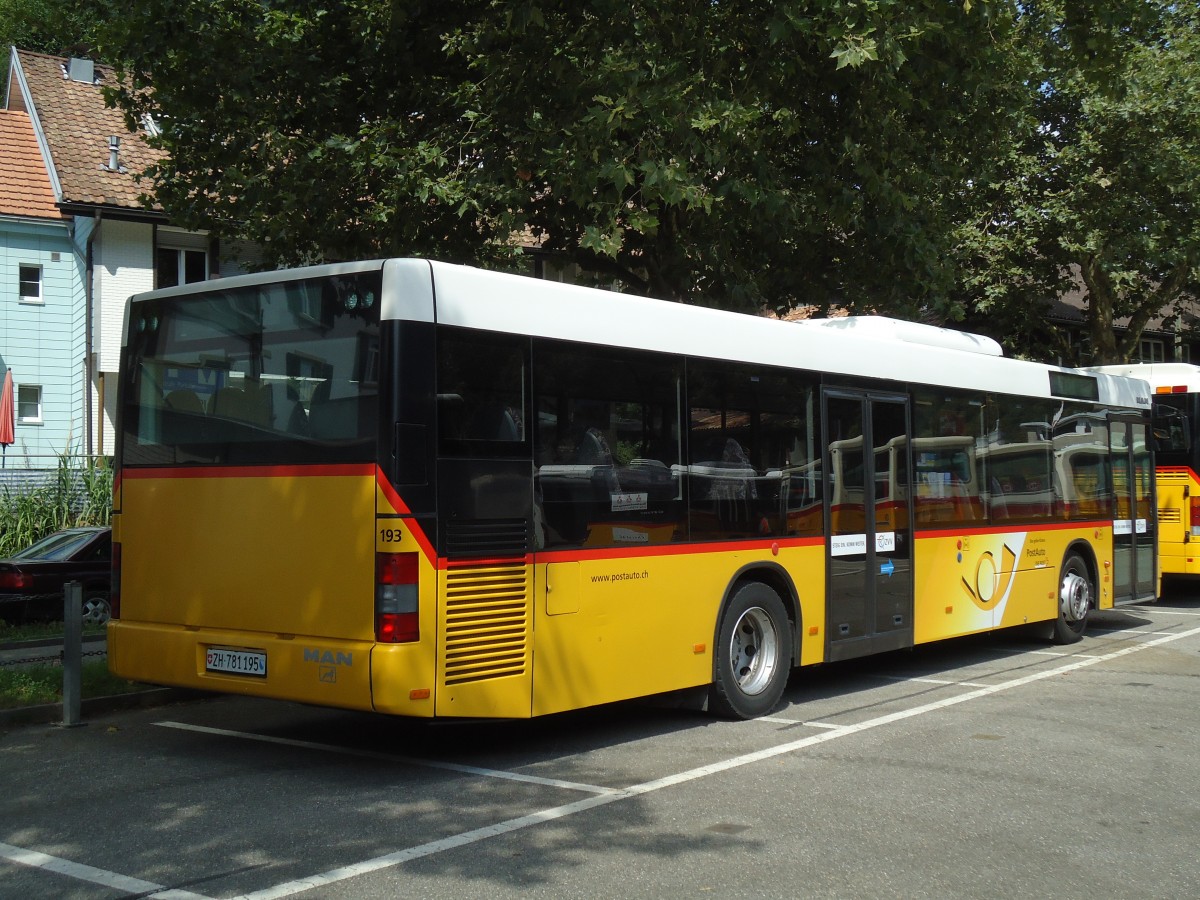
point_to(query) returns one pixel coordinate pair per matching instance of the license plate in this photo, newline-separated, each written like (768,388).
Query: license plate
(238,662)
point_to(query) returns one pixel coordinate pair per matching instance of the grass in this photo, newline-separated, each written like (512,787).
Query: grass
(35,685)
(41,684)
(39,631)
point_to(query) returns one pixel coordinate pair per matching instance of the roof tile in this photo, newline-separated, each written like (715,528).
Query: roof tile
(25,187)
(77,125)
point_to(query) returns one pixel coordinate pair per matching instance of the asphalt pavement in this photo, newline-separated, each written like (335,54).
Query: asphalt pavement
(983,767)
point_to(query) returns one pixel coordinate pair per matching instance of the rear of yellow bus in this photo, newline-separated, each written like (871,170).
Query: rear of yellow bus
(261,546)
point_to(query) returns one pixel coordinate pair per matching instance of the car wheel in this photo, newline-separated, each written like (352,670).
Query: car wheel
(96,609)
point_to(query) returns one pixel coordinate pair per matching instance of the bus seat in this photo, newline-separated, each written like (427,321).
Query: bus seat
(229,403)
(242,405)
(298,419)
(258,403)
(184,400)
(493,422)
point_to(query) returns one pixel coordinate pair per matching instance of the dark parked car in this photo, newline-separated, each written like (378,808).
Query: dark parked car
(31,582)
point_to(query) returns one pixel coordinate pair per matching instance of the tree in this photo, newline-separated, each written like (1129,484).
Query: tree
(743,154)
(748,154)
(45,26)
(1101,189)
(318,134)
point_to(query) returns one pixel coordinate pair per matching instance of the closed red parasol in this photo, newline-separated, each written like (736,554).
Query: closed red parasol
(6,411)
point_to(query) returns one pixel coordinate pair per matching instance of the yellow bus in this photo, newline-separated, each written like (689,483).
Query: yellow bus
(1176,396)
(428,490)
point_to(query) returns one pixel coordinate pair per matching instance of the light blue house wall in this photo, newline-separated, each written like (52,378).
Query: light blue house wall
(44,343)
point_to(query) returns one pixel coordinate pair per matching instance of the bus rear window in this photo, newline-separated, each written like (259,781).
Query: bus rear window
(273,374)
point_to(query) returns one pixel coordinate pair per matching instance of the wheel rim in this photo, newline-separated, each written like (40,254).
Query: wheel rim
(95,611)
(754,650)
(1075,596)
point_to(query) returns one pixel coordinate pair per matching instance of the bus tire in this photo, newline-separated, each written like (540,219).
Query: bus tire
(753,653)
(1076,595)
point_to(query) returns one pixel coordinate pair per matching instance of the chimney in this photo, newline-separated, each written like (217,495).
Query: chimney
(114,154)
(81,70)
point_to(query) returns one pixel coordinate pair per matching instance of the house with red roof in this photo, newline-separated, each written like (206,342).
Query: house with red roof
(79,235)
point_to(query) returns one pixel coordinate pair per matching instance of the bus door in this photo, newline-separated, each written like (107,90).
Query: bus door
(1134,523)
(869,598)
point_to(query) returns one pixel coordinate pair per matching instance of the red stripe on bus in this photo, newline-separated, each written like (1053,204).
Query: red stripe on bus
(393,496)
(582,554)
(293,471)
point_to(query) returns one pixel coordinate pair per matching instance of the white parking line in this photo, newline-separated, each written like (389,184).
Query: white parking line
(941,681)
(93,875)
(388,757)
(603,797)
(470,837)
(779,720)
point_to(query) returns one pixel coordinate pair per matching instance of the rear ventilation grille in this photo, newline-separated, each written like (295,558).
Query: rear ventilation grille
(487,621)
(487,537)
(1169,516)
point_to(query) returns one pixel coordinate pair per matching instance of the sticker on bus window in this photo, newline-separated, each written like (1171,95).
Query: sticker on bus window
(629,502)
(847,544)
(630,535)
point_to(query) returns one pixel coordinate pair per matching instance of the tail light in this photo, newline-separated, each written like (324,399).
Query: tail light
(15,580)
(114,590)
(1194,503)
(396,598)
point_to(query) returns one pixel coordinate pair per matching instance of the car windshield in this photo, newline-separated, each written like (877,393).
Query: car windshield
(62,545)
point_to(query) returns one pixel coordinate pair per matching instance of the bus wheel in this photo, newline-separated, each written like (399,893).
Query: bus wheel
(1075,595)
(754,653)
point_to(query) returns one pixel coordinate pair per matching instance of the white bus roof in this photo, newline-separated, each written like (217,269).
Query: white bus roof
(867,347)
(1157,374)
(913,332)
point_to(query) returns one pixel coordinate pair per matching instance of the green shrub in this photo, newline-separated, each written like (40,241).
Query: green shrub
(79,494)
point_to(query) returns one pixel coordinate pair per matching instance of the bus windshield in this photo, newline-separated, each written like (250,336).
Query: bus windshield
(271,374)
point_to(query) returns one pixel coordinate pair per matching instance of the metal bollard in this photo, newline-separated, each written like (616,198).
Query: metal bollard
(72,653)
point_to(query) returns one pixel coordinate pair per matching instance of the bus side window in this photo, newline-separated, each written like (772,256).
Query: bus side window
(482,391)
(948,464)
(753,452)
(607,447)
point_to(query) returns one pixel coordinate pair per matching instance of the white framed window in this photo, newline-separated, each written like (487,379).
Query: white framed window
(29,404)
(174,266)
(30,278)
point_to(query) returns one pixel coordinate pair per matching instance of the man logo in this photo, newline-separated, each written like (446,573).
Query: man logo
(327,662)
(328,657)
